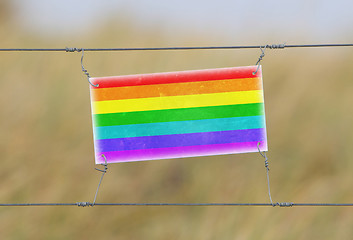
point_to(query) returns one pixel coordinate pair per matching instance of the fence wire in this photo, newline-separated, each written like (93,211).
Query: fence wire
(89,204)
(268,46)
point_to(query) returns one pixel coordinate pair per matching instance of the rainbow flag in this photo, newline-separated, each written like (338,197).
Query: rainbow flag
(178,114)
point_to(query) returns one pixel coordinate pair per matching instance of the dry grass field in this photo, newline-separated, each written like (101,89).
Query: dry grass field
(47,147)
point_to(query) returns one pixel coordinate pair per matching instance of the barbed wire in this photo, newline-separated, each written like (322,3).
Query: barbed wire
(271,46)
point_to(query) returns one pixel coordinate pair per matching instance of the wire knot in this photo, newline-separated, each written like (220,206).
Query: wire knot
(276,46)
(105,164)
(261,57)
(263,154)
(84,204)
(283,204)
(267,164)
(67,49)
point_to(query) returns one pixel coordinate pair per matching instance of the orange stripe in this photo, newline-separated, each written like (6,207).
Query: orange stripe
(175,89)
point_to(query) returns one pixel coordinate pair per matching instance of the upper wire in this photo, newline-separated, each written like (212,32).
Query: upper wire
(272,46)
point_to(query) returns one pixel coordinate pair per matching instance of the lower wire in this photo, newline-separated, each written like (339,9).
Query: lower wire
(88,204)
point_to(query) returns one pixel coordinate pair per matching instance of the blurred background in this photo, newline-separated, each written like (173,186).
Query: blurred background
(46,134)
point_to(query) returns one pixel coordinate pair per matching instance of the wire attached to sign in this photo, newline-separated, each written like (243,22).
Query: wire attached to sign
(263,154)
(85,71)
(260,59)
(67,49)
(105,164)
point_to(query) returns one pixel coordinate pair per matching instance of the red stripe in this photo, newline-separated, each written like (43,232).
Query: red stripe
(176,77)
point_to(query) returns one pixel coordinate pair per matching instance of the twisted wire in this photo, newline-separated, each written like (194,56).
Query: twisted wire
(103,172)
(82,67)
(263,154)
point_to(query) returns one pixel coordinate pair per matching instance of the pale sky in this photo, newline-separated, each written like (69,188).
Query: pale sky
(316,20)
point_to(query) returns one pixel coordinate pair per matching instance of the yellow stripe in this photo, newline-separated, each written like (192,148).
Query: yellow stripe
(183,101)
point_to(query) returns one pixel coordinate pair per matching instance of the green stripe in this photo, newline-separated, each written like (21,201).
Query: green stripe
(184,114)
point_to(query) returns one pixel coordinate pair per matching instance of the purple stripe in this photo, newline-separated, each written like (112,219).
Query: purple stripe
(179,152)
(180,140)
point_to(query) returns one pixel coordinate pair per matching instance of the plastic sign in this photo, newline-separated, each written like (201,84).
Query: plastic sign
(178,114)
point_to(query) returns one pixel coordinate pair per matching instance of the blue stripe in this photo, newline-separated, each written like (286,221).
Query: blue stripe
(180,140)
(179,127)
